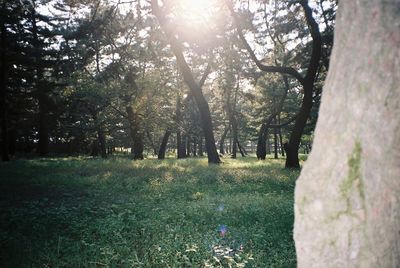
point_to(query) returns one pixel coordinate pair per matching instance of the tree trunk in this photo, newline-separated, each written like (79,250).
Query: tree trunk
(3,92)
(275,141)
(292,152)
(347,200)
(12,140)
(222,140)
(136,133)
(180,147)
(188,147)
(102,141)
(195,88)
(41,93)
(101,138)
(163,146)
(201,147)
(241,149)
(194,146)
(281,139)
(262,143)
(234,135)
(43,145)
(94,151)
(150,138)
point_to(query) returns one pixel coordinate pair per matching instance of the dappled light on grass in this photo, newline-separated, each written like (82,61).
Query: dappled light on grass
(118,212)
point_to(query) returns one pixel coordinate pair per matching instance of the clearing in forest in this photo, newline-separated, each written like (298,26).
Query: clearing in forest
(82,212)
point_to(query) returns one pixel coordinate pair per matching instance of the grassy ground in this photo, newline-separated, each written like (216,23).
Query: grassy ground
(81,212)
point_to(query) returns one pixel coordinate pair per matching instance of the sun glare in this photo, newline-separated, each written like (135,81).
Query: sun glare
(196,12)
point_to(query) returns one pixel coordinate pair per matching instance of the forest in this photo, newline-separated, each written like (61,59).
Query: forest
(178,133)
(101,77)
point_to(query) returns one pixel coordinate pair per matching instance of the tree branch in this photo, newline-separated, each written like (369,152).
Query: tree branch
(205,74)
(271,69)
(316,44)
(283,124)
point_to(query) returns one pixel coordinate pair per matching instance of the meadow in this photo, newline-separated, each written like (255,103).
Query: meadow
(84,212)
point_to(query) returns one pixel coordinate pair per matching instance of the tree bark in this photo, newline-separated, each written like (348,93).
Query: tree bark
(195,88)
(347,199)
(163,146)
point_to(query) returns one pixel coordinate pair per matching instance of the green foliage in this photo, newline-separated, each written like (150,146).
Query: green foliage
(82,212)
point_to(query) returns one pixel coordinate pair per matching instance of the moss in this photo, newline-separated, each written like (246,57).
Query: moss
(354,175)
(303,201)
(353,178)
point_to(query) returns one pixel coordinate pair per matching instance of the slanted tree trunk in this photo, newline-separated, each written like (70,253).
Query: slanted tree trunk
(347,200)
(195,88)
(241,149)
(164,142)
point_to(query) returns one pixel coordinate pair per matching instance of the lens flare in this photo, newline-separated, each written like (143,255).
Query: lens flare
(223,229)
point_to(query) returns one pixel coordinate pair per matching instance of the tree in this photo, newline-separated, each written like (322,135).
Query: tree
(347,211)
(307,80)
(195,87)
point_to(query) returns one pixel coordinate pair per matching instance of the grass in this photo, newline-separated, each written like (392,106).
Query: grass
(82,212)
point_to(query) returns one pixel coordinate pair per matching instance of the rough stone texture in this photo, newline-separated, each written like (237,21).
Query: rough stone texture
(347,209)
